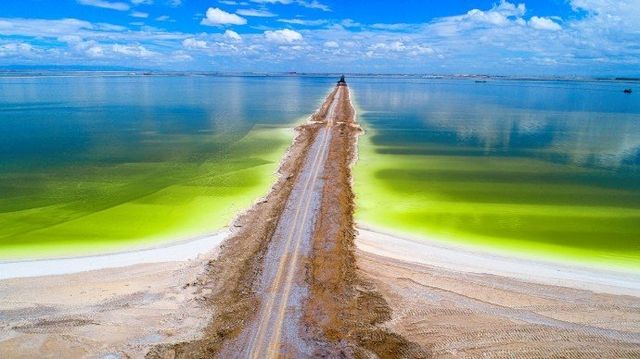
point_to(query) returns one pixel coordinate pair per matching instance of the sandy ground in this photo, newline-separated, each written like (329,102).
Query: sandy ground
(105,313)
(456,302)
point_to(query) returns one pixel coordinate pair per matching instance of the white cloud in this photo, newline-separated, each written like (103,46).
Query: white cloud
(393,46)
(142,2)
(42,27)
(303,22)
(503,14)
(163,18)
(71,39)
(175,3)
(508,9)
(215,17)
(501,38)
(489,17)
(132,50)
(16,49)
(120,6)
(95,52)
(393,27)
(311,4)
(398,49)
(314,4)
(543,23)
(232,35)
(192,43)
(331,44)
(284,36)
(139,14)
(255,13)
(350,23)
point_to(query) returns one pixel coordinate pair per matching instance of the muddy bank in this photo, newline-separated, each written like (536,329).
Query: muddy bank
(344,312)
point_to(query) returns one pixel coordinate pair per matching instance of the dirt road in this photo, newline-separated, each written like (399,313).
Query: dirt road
(281,285)
(285,284)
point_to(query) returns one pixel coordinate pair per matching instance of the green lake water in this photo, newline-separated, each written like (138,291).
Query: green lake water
(93,163)
(542,168)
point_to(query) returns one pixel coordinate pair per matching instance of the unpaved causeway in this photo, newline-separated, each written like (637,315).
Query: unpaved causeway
(285,285)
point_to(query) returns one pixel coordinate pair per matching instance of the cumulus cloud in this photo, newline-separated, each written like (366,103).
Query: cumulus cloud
(508,9)
(132,51)
(284,36)
(192,43)
(543,23)
(120,6)
(16,49)
(215,17)
(232,35)
(95,52)
(499,15)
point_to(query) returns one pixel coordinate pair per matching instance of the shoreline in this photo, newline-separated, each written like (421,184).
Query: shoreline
(178,251)
(467,259)
(381,242)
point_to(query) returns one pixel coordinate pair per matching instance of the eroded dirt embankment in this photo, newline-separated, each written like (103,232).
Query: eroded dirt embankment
(343,311)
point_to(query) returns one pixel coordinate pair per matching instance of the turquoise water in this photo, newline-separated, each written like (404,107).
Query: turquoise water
(89,163)
(548,168)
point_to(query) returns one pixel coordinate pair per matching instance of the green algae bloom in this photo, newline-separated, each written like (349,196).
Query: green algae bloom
(95,164)
(511,165)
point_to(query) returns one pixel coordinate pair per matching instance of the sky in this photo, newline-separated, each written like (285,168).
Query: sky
(535,37)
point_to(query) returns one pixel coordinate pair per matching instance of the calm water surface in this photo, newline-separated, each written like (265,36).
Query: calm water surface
(88,163)
(540,167)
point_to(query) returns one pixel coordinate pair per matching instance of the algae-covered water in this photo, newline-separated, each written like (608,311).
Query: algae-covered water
(543,168)
(93,163)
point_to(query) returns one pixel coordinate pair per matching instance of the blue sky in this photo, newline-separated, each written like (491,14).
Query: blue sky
(535,37)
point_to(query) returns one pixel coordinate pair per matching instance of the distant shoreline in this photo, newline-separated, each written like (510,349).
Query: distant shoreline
(70,72)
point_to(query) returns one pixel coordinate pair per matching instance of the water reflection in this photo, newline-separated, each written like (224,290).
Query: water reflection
(586,124)
(57,121)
